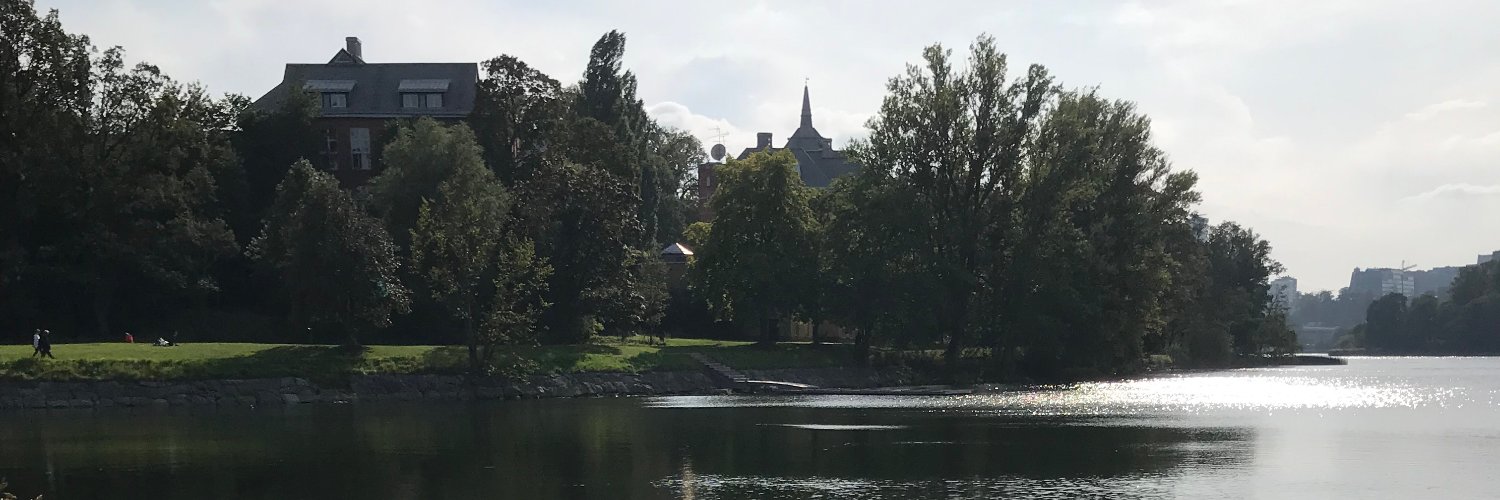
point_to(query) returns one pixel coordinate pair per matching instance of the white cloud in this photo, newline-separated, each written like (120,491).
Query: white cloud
(1427,112)
(1455,191)
(708,130)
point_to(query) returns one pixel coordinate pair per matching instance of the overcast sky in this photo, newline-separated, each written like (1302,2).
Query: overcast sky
(1349,133)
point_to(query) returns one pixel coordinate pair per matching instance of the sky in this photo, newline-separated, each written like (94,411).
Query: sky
(1348,133)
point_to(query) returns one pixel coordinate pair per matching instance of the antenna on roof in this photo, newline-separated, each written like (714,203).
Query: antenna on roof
(718,151)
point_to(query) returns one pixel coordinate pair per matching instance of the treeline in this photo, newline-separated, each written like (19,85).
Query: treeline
(1035,228)
(1028,227)
(1467,321)
(133,202)
(1344,311)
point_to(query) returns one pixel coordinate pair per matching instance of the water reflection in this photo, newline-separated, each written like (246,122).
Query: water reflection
(721,487)
(1246,390)
(1375,429)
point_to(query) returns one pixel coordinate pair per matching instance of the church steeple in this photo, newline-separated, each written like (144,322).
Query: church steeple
(806,108)
(806,137)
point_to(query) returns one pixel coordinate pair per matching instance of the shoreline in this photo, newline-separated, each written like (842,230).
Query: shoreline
(349,388)
(40,395)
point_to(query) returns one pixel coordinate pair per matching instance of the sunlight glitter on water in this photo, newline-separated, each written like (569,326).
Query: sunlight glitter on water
(1210,393)
(1236,391)
(834,427)
(706,487)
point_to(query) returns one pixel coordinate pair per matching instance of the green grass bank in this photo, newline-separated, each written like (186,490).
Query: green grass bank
(120,361)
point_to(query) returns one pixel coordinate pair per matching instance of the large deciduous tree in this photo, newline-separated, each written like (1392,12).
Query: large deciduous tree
(139,212)
(954,141)
(1085,282)
(269,142)
(417,161)
(759,258)
(465,249)
(518,111)
(45,84)
(336,267)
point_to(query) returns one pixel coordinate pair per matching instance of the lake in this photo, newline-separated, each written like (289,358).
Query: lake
(1376,428)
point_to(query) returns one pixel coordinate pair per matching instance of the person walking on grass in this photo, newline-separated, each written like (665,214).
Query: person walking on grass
(36,343)
(45,345)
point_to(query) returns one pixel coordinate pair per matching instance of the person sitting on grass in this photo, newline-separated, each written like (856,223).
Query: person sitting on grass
(161,342)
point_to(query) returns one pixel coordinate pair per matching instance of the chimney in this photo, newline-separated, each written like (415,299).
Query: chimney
(351,44)
(763,140)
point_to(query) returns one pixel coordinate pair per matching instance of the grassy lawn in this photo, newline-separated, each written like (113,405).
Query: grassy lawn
(119,361)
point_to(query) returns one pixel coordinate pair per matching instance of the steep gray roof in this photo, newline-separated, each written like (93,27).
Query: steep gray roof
(806,136)
(375,88)
(818,168)
(676,249)
(817,162)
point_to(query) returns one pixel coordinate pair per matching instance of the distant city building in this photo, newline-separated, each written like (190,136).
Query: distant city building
(357,100)
(1378,282)
(1284,292)
(1435,281)
(818,164)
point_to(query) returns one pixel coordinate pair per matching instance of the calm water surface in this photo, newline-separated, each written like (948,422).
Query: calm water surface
(1377,428)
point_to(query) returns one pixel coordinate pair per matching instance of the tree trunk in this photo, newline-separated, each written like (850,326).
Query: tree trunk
(1007,357)
(817,336)
(473,341)
(104,300)
(349,330)
(955,328)
(953,351)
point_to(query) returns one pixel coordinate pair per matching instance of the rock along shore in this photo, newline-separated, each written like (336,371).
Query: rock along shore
(17,395)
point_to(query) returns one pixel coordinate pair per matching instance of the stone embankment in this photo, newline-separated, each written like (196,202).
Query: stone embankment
(291,390)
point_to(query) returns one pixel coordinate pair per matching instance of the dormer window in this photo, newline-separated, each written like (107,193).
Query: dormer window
(417,94)
(335,100)
(333,94)
(421,100)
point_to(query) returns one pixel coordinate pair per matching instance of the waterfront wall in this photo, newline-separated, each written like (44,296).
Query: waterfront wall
(292,390)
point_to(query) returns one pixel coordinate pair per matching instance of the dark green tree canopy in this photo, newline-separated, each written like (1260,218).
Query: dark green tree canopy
(518,111)
(336,267)
(417,161)
(761,253)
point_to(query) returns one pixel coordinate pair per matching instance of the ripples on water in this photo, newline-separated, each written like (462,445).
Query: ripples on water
(715,487)
(1317,388)
(1381,428)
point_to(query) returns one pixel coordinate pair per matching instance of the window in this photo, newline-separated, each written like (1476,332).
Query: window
(335,100)
(421,100)
(359,147)
(331,148)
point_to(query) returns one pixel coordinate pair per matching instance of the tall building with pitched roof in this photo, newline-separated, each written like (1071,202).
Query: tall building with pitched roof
(818,164)
(357,99)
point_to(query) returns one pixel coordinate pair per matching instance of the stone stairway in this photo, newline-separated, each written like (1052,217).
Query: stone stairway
(725,376)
